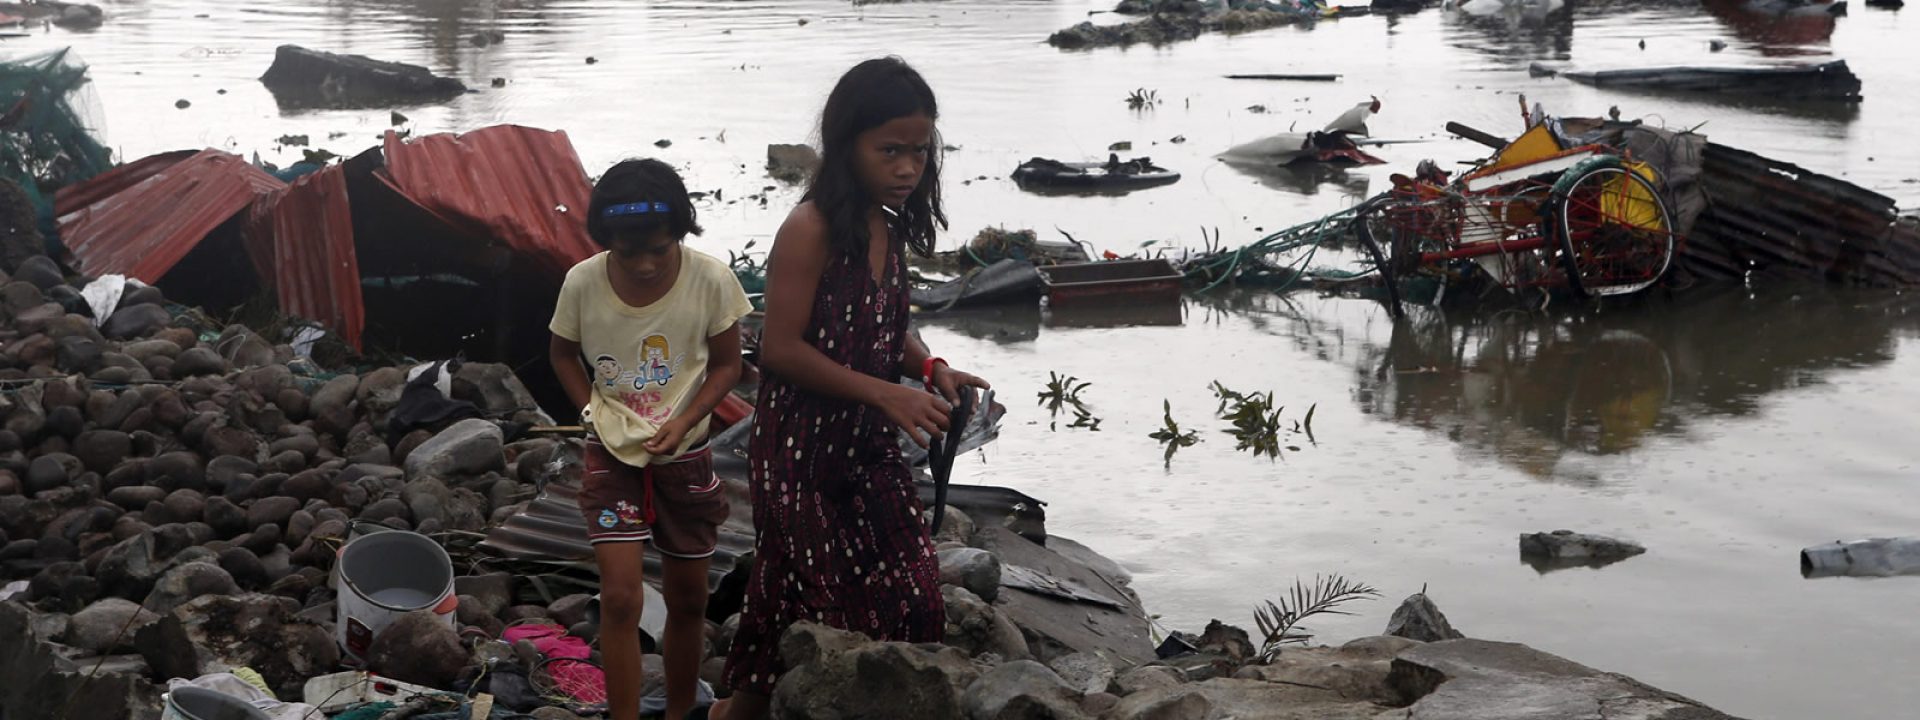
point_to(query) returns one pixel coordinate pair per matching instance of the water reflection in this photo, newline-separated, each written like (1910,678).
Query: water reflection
(1514,30)
(1307,178)
(1777,34)
(1540,392)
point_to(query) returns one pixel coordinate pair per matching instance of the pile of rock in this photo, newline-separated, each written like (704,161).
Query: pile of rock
(183,499)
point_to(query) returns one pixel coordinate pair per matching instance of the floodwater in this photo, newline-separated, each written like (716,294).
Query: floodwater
(1725,429)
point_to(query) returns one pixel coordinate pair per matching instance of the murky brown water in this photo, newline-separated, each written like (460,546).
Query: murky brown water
(1725,430)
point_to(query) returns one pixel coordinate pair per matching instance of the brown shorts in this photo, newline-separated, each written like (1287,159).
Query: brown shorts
(679,505)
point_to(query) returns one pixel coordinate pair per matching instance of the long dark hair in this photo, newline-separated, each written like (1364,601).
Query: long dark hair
(872,94)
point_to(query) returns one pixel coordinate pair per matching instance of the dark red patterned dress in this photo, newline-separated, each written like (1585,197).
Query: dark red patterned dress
(840,540)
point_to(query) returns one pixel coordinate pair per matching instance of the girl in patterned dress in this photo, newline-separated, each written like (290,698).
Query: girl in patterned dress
(840,536)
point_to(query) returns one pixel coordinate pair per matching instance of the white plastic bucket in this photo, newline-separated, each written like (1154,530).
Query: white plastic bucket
(384,575)
(192,703)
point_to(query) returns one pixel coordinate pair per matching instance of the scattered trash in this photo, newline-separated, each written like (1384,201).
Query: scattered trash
(1831,81)
(1879,557)
(499,82)
(304,78)
(337,692)
(1122,146)
(1287,78)
(182,104)
(1716,45)
(385,575)
(293,140)
(11,589)
(1136,174)
(591,60)
(663,143)
(103,296)
(396,119)
(197,703)
(1334,143)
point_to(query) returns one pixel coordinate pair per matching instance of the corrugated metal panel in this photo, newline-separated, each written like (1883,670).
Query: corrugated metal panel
(302,240)
(111,182)
(1775,218)
(523,186)
(145,228)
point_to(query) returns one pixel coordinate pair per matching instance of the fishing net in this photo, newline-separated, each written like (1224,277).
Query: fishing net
(51,127)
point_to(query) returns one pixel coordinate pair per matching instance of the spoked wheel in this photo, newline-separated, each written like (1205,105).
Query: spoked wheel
(1363,227)
(1615,234)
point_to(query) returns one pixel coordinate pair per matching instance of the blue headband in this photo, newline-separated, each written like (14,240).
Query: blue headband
(639,208)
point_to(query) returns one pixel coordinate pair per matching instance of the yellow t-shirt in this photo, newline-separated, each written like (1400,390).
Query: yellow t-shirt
(647,363)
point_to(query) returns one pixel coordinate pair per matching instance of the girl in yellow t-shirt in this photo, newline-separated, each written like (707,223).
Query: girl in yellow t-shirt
(646,341)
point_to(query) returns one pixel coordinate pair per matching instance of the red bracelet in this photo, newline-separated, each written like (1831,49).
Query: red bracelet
(926,371)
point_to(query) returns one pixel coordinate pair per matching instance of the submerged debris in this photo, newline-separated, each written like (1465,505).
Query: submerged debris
(301,78)
(792,163)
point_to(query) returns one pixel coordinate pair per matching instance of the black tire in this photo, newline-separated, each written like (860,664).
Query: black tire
(1559,223)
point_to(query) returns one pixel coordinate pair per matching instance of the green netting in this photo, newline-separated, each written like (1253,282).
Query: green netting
(49,128)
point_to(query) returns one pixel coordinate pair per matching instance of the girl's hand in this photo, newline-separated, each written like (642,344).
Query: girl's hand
(922,414)
(949,381)
(668,438)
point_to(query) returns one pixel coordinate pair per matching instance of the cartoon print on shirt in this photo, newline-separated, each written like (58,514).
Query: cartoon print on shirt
(654,356)
(608,368)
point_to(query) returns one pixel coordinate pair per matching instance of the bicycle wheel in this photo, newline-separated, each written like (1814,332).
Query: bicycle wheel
(1615,234)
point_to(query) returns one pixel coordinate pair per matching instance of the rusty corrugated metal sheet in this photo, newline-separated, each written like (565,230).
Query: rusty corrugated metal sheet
(111,182)
(301,241)
(146,227)
(1773,218)
(524,186)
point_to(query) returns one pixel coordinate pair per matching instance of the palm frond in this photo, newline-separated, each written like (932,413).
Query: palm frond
(1279,623)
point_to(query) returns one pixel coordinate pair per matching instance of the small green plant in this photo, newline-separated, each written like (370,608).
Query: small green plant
(1256,421)
(1279,623)
(1171,436)
(1063,394)
(1142,99)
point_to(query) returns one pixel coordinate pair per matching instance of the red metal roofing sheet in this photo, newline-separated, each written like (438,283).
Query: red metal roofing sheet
(523,186)
(302,239)
(111,182)
(144,229)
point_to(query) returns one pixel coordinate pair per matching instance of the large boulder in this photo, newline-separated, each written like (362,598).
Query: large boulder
(494,389)
(972,568)
(219,632)
(302,78)
(838,675)
(137,321)
(1356,670)
(493,592)
(470,447)
(1484,680)
(1022,690)
(186,582)
(42,682)
(130,567)
(108,625)
(1230,698)
(418,647)
(1565,548)
(975,626)
(1086,673)
(1418,618)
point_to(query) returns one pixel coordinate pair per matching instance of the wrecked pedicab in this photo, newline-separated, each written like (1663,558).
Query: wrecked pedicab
(1563,208)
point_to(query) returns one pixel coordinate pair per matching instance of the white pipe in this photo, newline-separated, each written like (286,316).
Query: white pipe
(1879,557)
